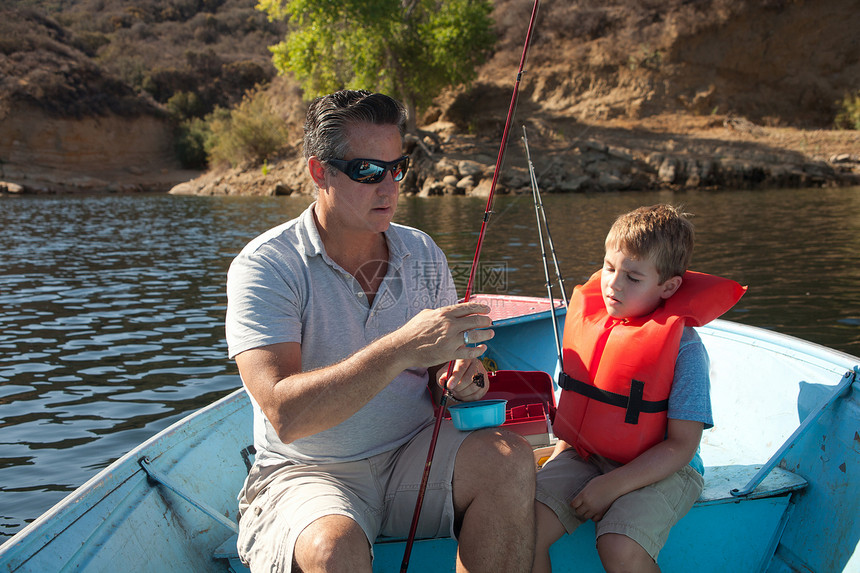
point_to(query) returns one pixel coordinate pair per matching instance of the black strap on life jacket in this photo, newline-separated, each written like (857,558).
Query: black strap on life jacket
(633,404)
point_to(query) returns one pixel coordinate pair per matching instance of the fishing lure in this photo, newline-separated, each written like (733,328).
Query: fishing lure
(478,379)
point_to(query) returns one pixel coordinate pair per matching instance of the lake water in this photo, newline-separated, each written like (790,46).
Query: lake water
(112,307)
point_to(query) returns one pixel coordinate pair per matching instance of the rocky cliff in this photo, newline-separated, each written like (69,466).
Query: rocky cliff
(617,95)
(92,154)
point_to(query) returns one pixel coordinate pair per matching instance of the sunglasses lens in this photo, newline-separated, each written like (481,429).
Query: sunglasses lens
(399,170)
(368,172)
(371,170)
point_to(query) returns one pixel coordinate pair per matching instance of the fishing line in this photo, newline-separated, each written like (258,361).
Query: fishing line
(487,211)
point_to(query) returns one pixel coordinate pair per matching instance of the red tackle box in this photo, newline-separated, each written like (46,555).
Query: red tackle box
(531,402)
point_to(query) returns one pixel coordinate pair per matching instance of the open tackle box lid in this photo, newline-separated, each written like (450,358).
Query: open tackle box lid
(531,402)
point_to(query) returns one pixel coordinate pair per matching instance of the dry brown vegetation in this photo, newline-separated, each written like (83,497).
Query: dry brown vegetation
(774,62)
(40,65)
(97,50)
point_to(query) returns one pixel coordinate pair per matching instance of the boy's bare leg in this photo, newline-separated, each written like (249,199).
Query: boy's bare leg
(548,530)
(494,487)
(619,553)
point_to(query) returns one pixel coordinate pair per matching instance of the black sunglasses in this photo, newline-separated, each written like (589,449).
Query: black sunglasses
(371,170)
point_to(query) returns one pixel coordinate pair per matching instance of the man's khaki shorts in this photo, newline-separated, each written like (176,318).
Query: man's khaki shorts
(645,515)
(378,493)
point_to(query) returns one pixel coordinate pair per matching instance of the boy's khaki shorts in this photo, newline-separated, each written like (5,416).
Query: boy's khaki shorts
(645,515)
(378,493)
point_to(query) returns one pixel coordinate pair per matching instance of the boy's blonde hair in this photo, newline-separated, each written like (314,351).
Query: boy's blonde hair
(660,233)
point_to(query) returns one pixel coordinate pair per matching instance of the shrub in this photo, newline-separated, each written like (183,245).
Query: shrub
(190,143)
(848,115)
(251,132)
(185,105)
(90,42)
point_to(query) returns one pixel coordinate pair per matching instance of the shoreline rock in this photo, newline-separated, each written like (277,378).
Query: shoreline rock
(58,182)
(657,153)
(613,159)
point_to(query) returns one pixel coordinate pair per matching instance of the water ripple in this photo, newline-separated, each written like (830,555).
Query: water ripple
(112,308)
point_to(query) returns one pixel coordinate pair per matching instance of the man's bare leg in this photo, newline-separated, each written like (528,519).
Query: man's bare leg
(332,544)
(494,487)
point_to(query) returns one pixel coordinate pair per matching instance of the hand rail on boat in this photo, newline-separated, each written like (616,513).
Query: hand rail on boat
(849,378)
(162,479)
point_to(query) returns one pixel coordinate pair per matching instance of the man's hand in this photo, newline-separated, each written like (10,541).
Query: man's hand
(435,336)
(468,380)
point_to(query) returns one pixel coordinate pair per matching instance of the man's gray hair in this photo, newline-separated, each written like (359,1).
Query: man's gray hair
(330,116)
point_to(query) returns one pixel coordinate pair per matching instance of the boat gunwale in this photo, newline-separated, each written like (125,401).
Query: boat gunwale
(110,479)
(781,343)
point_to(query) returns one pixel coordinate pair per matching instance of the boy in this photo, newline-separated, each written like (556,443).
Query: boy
(635,394)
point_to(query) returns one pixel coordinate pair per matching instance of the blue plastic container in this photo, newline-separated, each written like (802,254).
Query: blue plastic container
(475,415)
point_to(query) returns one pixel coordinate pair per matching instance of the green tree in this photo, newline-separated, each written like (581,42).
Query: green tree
(410,49)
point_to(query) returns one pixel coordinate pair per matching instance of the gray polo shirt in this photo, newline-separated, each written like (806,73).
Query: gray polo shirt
(283,287)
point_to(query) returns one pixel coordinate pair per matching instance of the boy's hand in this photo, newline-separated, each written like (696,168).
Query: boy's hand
(651,466)
(595,498)
(560,446)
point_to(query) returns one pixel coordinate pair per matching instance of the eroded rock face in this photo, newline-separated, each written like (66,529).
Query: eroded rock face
(42,153)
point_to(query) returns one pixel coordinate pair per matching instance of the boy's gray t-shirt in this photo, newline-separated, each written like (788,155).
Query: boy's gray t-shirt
(690,397)
(283,287)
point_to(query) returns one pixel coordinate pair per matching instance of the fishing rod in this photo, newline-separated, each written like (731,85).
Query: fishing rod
(541,212)
(487,211)
(536,193)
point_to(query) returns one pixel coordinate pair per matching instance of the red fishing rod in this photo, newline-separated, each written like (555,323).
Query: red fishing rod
(487,211)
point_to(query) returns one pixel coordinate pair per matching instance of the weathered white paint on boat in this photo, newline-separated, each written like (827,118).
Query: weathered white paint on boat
(802,517)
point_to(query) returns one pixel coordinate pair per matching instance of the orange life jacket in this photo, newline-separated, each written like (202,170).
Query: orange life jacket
(618,373)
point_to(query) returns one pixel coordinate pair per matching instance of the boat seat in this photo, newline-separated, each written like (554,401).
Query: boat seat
(227,552)
(759,511)
(721,480)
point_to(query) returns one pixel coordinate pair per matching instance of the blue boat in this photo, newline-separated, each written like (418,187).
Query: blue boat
(782,481)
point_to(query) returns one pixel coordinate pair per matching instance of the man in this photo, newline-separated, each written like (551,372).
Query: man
(339,322)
